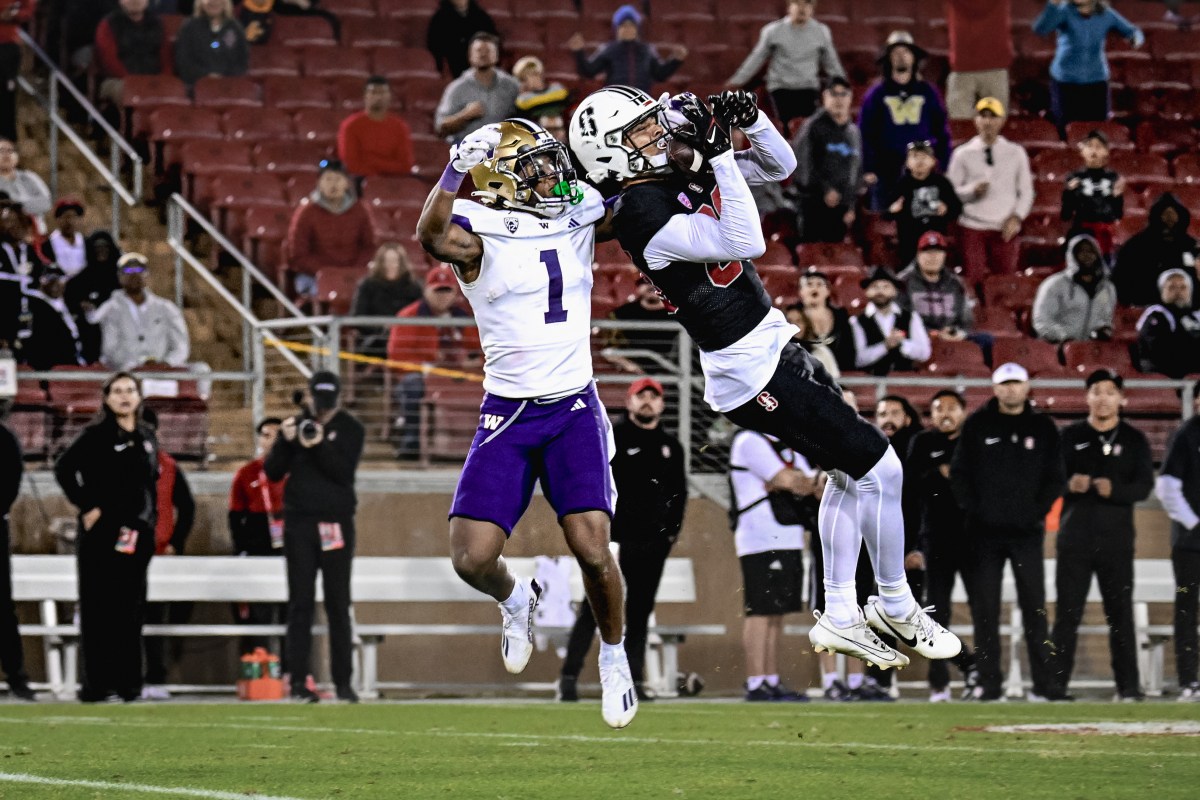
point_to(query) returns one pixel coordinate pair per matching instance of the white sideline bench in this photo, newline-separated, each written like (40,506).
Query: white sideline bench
(1153,583)
(48,580)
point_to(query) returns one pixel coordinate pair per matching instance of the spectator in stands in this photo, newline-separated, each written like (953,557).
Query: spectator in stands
(1006,473)
(830,323)
(65,246)
(940,532)
(256,526)
(798,49)
(537,98)
(76,27)
(22,186)
(1079,73)
(900,422)
(451,30)
(555,125)
(807,338)
(422,346)
(137,327)
(211,44)
(330,229)
(110,473)
(16,14)
(1164,244)
(886,336)
(480,96)
(828,166)
(375,141)
(1168,334)
(388,287)
(773,499)
(627,60)
(935,293)
(130,41)
(258,16)
(981,51)
(1110,470)
(925,200)
(12,652)
(54,334)
(98,280)
(1077,303)
(17,252)
(900,108)
(645,306)
(991,176)
(1174,14)
(176,513)
(1178,489)
(1093,198)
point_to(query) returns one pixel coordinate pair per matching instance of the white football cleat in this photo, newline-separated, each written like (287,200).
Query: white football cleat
(618,703)
(919,631)
(857,640)
(516,643)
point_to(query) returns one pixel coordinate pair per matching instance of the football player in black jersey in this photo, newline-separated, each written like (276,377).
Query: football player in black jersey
(686,218)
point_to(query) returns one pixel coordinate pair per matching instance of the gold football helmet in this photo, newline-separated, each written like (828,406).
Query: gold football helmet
(529,170)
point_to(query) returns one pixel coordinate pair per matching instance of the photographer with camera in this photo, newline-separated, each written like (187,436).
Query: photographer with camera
(318,451)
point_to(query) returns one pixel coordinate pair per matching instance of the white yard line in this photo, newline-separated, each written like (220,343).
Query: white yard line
(1046,749)
(141,788)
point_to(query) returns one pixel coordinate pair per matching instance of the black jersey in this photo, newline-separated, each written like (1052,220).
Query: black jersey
(717,304)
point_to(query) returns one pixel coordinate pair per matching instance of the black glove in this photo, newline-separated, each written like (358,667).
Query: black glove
(711,139)
(735,109)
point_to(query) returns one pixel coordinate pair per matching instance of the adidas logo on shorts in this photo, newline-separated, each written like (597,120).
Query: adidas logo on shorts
(579,404)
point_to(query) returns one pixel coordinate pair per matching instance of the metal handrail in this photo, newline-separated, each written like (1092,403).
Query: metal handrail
(117,143)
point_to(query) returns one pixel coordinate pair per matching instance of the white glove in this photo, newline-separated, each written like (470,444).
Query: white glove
(475,149)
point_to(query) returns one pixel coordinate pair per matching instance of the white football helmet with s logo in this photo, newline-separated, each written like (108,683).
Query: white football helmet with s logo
(599,129)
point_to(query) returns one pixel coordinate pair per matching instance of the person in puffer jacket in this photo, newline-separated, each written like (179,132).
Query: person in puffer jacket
(1077,303)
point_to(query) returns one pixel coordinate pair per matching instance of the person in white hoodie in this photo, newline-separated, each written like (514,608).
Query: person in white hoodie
(1078,302)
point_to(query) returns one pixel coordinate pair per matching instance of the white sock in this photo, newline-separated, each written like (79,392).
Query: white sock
(518,600)
(855,680)
(827,679)
(611,653)
(841,541)
(755,681)
(772,680)
(882,522)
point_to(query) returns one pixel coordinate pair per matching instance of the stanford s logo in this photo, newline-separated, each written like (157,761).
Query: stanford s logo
(492,421)
(905,110)
(767,401)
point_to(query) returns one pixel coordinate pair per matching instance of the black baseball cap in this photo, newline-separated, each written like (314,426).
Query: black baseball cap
(324,384)
(836,81)
(1102,375)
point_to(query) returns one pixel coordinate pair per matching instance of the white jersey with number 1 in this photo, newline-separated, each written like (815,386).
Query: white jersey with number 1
(532,299)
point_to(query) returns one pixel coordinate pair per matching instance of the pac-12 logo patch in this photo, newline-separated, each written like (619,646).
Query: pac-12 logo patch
(684,201)
(767,401)
(511,223)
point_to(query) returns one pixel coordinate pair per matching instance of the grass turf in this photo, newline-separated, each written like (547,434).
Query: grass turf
(548,750)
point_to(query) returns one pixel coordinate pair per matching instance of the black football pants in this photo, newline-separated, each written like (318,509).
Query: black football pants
(302,549)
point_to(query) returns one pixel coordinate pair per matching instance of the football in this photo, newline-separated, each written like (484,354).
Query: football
(683,156)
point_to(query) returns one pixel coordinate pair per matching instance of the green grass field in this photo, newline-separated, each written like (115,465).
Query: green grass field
(519,750)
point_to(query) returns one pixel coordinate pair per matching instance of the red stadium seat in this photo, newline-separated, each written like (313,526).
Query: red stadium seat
(290,158)
(1189,195)
(955,358)
(169,127)
(337,62)
(1186,167)
(266,227)
(318,125)
(423,91)
(1055,165)
(144,93)
(1033,134)
(388,194)
(1178,45)
(1084,357)
(1165,138)
(779,280)
(396,64)
(224,93)
(996,320)
(777,253)
(273,62)
(820,253)
(302,32)
(353,9)
(1179,105)
(346,93)
(74,403)
(202,160)
(449,417)
(294,93)
(1038,357)
(366,33)
(848,294)
(258,125)
(232,194)
(1013,292)
(1142,170)
(335,289)
(1118,134)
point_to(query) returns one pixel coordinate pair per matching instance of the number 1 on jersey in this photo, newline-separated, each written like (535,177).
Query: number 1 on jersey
(556,313)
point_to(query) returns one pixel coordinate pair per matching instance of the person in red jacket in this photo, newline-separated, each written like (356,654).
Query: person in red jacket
(15,14)
(981,51)
(418,346)
(131,40)
(176,514)
(329,229)
(375,142)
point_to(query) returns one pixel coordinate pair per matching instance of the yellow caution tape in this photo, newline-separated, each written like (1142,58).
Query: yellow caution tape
(359,358)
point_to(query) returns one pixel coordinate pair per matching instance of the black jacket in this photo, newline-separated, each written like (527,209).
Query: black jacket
(1123,456)
(647,467)
(449,32)
(1008,470)
(12,467)
(1151,252)
(1093,199)
(919,213)
(55,339)
(1168,341)
(321,478)
(935,512)
(115,470)
(1183,463)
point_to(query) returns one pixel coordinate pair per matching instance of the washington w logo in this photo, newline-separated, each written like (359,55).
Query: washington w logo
(905,110)
(492,421)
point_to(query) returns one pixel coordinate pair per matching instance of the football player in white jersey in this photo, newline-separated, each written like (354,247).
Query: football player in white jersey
(686,217)
(523,256)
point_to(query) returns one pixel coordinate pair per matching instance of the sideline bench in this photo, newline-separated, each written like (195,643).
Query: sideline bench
(48,580)
(1153,583)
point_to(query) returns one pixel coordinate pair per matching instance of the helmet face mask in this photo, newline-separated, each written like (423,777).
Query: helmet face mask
(527,159)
